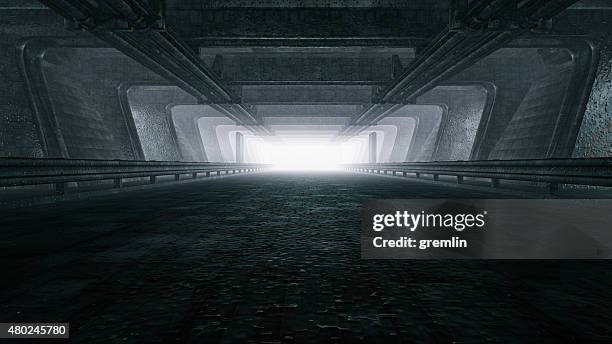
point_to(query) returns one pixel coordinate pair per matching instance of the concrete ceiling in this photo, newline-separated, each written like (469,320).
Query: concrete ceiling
(321,3)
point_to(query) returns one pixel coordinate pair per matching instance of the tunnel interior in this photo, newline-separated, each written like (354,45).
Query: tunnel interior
(213,171)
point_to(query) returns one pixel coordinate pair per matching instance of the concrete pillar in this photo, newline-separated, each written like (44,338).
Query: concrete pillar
(239,148)
(372,146)
(19,124)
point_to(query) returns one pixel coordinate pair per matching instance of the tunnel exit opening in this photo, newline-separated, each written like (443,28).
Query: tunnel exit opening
(300,154)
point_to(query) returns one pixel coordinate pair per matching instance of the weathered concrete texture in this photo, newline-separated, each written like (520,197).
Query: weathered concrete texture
(512,71)
(305,110)
(429,145)
(19,135)
(459,126)
(199,136)
(185,119)
(531,131)
(350,68)
(226,137)
(381,139)
(150,108)
(405,128)
(595,136)
(532,104)
(208,132)
(307,94)
(341,64)
(315,3)
(83,88)
(593,19)
(423,139)
(192,19)
(313,127)
(275,258)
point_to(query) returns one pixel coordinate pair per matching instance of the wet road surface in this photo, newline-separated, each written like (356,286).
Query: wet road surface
(274,257)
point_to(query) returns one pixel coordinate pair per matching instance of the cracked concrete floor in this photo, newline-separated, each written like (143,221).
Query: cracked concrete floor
(275,258)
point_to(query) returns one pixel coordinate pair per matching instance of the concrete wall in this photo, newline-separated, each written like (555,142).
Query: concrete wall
(185,119)
(282,19)
(75,87)
(459,126)
(197,134)
(307,94)
(205,134)
(82,85)
(530,132)
(393,136)
(293,67)
(595,136)
(306,111)
(423,137)
(311,3)
(19,135)
(195,128)
(593,19)
(541,84)
(533,86)
(512,71)
(226,136)
(216,148)
(150,108)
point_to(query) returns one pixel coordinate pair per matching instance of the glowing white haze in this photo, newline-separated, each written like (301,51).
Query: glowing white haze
(301,154)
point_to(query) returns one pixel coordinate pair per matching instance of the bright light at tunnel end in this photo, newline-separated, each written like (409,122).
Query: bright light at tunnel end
(308,156)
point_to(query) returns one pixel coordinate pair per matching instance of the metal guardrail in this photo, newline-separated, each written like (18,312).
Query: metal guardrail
(60,172)
(590,171)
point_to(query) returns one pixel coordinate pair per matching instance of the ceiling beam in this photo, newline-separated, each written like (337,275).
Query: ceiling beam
(306,42)
(137,28)
(475,30)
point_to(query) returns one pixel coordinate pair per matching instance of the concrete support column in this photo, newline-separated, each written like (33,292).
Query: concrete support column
(239,147)
(372,147)
(19,125)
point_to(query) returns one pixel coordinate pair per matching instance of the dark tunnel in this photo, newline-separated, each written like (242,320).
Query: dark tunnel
(306,171)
